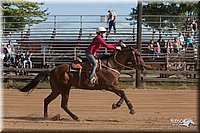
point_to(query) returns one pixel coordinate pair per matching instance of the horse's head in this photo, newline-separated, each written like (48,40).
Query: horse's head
(134,56)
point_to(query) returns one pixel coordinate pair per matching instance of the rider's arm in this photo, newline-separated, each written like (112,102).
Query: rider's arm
(103,43)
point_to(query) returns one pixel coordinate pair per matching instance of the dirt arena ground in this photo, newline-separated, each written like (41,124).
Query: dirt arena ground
(156,110)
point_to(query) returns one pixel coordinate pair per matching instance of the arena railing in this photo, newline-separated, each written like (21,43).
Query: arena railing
(72,36)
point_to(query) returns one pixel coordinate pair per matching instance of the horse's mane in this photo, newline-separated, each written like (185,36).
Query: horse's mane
(105,56)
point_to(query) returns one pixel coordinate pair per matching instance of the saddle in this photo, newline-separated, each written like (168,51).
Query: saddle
(83,65)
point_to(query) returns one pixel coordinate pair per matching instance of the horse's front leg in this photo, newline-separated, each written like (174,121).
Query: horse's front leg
(122,94)
(118,104)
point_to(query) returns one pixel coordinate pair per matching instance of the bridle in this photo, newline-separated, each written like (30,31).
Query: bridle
(115,59)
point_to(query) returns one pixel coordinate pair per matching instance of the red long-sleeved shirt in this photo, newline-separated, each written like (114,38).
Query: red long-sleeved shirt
(97,42)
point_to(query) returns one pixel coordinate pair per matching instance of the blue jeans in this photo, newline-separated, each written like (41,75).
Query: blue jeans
(112,24)
(27,61)
(92,60)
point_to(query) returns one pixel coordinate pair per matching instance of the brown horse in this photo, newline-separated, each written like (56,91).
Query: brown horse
(62,79)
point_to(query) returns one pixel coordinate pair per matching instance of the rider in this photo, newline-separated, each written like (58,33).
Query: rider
(97,42)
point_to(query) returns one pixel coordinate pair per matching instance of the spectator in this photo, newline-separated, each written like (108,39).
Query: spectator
(194,25)
(10,55)
(3,51)
(27,59)
(162,45)
(157,50)
(112,16)
(151,47)
(18,60)
(176,45)
(181,39)
(53,35)
(189,40)
(27,34)
(188,24)
(169,46)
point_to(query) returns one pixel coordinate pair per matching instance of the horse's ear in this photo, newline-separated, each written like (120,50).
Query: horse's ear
(132,48)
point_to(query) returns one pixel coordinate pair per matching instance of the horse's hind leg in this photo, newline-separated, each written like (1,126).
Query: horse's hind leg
(64,102)
(47,100)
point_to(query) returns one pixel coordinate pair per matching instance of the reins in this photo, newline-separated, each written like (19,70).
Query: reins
(115,59)
(111,69)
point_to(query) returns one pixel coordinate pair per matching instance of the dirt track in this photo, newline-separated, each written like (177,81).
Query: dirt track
(155,110)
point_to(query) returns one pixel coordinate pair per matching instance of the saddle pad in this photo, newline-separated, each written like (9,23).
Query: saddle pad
(76,66)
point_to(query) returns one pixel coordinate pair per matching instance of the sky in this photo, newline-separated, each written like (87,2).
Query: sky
(85,7)
(88,7)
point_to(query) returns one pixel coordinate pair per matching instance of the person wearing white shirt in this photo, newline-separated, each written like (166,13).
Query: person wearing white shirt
(112,16)
(10,55)
(181,39)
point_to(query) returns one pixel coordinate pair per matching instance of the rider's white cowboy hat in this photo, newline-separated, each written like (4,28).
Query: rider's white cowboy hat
(101,29)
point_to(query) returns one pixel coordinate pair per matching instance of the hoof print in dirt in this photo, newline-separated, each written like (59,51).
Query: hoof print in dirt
(56,118)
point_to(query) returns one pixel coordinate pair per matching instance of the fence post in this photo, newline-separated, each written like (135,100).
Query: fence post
(139,32)
(81,22)
(44,54)
(55,22)
(133,26)
(74,53)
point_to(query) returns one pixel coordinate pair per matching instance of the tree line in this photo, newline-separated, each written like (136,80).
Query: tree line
(182,10)
(29,13)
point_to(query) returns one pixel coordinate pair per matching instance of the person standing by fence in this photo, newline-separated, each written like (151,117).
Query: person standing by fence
(112,16)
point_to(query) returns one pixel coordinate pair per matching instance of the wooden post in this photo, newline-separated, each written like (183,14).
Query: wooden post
(139,32)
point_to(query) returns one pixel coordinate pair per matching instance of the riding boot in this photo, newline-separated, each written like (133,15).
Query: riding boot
(87,82)
(93,80)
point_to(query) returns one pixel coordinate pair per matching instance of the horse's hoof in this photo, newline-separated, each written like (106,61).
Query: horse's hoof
(132,111)
(114,106)
(76,118)
(45,117)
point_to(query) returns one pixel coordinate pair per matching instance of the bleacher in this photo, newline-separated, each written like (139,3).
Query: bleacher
(62,45)
(54,46)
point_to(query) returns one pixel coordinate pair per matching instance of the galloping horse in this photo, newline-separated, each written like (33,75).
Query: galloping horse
(62,79)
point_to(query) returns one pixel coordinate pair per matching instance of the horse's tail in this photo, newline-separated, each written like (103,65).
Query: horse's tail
(35,81)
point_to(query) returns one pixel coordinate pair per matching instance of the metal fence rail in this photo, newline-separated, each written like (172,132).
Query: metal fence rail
(62,37)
